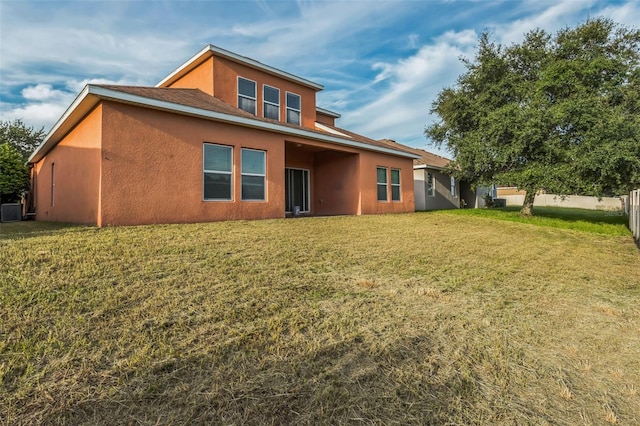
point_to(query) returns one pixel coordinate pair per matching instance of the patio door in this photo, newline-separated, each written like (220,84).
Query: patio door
(296,186)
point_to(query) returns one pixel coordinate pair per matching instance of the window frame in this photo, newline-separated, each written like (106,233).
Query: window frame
(431,192)
(385,184)
(255,95)
(288,108)
(265,102)
(263,175)
(224,172)
(398,185)
(453,187)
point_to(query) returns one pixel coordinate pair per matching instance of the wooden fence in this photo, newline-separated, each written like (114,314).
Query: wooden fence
(634,213)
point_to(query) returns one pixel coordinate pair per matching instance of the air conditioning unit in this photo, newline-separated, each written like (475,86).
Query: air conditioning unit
(11,212)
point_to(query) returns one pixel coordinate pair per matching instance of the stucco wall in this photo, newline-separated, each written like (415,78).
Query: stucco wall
(152,168)
(369,204)
(335,183)
(201,77)
(325,119)
(76,162)
(442,198)
(226,88)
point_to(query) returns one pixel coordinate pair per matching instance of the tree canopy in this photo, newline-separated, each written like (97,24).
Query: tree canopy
(17,142)
(23,138)
(559,113)
(14,174)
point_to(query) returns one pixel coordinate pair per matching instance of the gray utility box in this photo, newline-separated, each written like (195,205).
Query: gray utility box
(11,212)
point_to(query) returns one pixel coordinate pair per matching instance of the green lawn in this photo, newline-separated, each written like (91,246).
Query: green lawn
(427,318)
(593,221)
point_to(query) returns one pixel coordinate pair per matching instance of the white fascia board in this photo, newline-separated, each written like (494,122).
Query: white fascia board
(195,58)
(327,112)
(425,166)
(243,60)
(46,142)
(241,121)
(103,93)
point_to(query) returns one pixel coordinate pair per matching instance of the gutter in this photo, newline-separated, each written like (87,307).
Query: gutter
(96,93)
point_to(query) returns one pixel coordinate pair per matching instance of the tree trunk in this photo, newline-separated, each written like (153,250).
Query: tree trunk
(527,206)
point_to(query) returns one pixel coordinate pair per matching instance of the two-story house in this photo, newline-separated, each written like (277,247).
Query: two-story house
(222,137)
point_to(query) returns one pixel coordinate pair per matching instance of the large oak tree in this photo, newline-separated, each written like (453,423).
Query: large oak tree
(559,113)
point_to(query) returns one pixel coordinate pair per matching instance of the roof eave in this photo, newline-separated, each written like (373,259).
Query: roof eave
(81,105)
(211,50)
(327,112)
(427,166)
(91,95)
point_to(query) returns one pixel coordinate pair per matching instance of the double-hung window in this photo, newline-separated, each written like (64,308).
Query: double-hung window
(247,95)
(218,172)
(453,186)
(271,107)
(382,184)
(395,185)
(254,172)
(293,108)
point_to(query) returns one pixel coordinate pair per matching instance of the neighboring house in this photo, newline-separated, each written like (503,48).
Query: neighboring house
(434,188)
(222,137)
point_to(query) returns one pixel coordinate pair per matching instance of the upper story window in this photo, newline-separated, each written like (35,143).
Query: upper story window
(293,108)
(382,183)
(247,95)
(217,168)
(395,185)
(271,97)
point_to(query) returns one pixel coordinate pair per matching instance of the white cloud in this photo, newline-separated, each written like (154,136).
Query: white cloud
(626,14)
(402,111)
(40,92)
(41,114)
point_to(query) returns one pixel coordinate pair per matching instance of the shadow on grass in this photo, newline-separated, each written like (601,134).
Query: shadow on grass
(29,229)
(337,384)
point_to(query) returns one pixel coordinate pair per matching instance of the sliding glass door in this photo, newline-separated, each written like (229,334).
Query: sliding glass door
(296,184)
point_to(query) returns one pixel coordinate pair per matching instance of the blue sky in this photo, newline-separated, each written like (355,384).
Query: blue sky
(382,62)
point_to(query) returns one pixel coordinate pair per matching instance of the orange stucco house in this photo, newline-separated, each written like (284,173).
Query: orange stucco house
(222,137)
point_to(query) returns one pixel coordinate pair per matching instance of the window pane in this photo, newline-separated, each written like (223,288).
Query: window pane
(395,177)
(382,175)
(293,117)
(271,111)
(246,87)
(293,101)
(217,158)
(272,95)
(382,192)
(252,188)
(217,186)
(395,193)
(248,105)
(253,161)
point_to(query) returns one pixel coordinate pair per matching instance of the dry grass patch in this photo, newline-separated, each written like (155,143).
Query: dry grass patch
(412,319)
